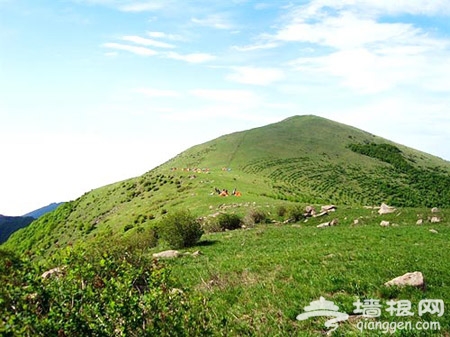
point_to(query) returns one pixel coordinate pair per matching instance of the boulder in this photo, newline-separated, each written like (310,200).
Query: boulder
(167,254)
(356,222)
(322,225)
(385,209)
(419,222)
(414,279)
(435,219)
(328,208)
(310,211)
(435,210)
(333,222)
(434,231)
(384,223)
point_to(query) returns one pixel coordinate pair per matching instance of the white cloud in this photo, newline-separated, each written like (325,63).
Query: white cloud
(147,42)
(216,21)
(162,35)
(191,58)
(147,6)
(256,76)
(258,46)
(152,92)
(132,49)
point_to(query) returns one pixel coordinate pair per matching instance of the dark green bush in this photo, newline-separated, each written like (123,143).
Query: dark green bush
(180,229)
(228,221)
(295,213)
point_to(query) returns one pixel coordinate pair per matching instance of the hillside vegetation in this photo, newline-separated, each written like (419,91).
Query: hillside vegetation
(248,263)
(304,159)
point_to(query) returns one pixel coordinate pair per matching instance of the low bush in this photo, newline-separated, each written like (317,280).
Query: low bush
(180,229)
(96,297)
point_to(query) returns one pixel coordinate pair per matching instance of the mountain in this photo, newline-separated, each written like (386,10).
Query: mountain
(10,224)
(305,159)
(41,211)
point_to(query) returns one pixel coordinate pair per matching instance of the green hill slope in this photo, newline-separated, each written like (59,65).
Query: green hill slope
(303,159)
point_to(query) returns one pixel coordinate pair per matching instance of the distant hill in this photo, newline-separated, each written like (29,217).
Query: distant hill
(303,159)
(41,211)
(10,224)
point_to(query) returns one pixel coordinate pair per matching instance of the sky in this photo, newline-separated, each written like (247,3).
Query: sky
(97,91)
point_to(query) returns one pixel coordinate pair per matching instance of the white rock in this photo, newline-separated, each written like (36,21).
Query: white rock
(434,231)
(419,222)
(385,209)
(167,254)
(414,279)
(384,223)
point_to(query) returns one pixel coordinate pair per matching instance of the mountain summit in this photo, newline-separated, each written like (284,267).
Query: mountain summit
(304,159)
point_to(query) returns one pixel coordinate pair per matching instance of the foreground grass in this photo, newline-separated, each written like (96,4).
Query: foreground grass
(258,280)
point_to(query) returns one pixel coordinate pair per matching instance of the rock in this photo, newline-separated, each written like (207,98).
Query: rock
(328,208)
(435,210)
(435,219)
(58,271)
(309,211)
(197,253)
(414,279)
(434,231)
(320,214)
(384,223)
(385,209)
(167,254)
(356,222)
(333,222)
(419,222)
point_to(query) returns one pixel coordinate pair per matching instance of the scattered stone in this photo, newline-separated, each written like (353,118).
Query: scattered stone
(385,209)
(356,222)
(419,222)
(309,211)
(296,226)
(434,231)
(322,225)
(58,271)
(320,214)
(435,219)
(384,223)
(211,207)
(333,222)
(395,225)
(435,210)
(167,254)
(414,279)
(328,208)
(196,253)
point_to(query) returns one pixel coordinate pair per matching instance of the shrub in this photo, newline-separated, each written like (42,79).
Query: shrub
(228,221)
(295,213)
(281,210)
(92,296)
(180,229)
(254,216)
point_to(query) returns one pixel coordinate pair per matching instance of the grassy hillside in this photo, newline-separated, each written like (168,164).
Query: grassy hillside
(303,159)
(252,281)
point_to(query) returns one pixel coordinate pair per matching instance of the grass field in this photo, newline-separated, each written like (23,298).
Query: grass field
(260,279)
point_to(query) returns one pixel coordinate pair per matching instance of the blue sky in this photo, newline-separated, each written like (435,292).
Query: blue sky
(97,91)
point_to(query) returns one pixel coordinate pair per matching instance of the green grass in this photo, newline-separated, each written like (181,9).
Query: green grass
(259,280)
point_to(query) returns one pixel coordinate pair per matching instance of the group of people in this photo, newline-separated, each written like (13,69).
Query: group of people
(224,192)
